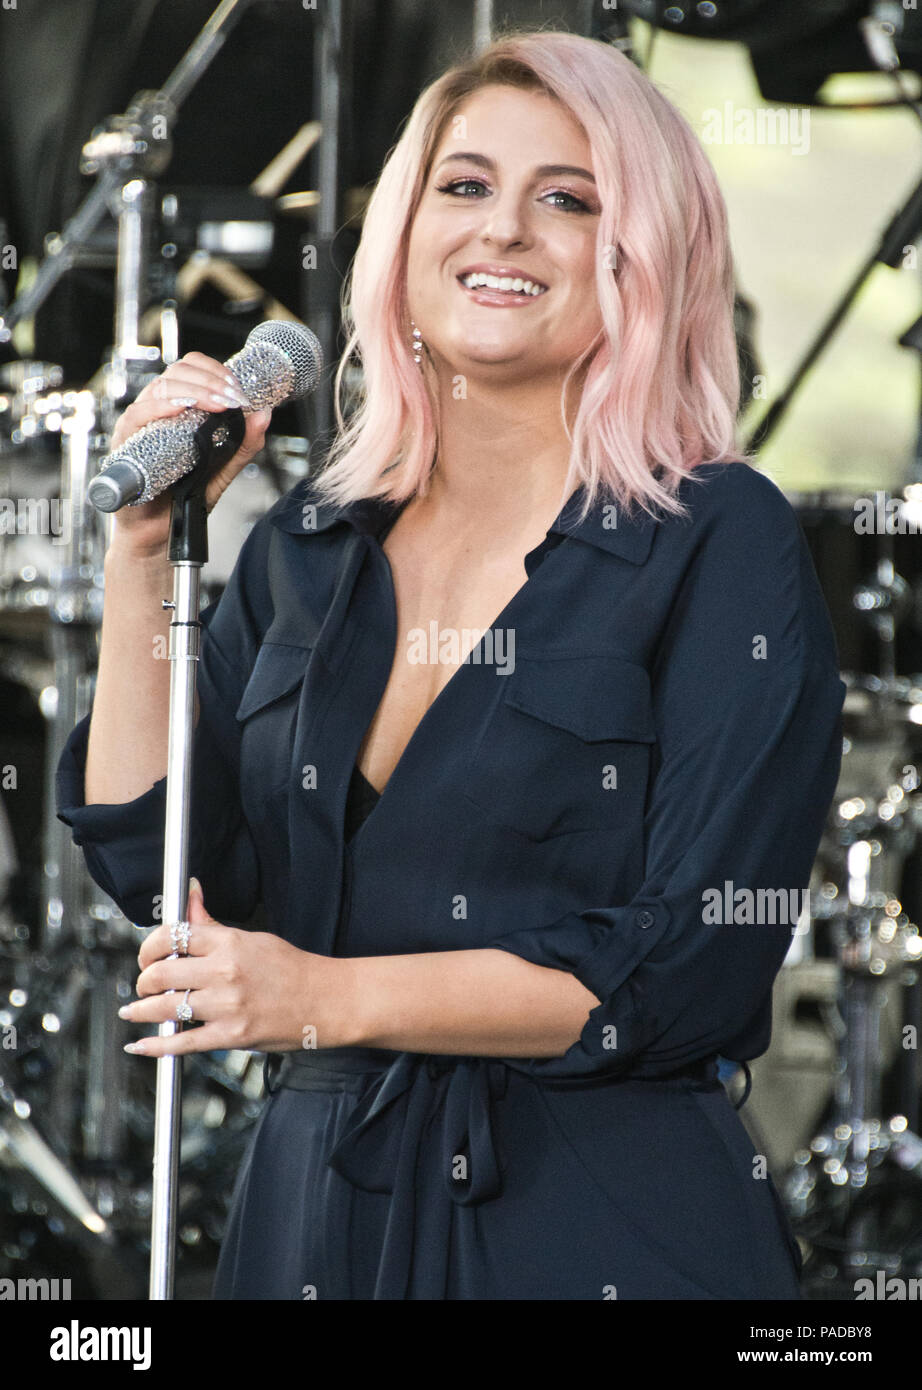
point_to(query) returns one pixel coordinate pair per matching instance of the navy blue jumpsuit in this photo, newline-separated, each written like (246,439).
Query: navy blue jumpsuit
(666,737)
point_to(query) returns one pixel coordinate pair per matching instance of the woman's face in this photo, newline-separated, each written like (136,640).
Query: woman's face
(511,190)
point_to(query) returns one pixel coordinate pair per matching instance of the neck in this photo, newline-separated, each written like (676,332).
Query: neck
(503,453)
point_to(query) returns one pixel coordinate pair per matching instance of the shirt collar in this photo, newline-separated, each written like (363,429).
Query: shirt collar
(605,526)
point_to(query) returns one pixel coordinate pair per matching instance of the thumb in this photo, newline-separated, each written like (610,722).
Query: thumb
(196,910)
(256,426)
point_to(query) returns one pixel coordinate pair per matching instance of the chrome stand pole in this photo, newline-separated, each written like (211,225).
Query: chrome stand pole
(188,552)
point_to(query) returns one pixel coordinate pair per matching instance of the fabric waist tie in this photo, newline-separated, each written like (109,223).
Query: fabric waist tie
(347,1068)
(401,1095)
(325,1069)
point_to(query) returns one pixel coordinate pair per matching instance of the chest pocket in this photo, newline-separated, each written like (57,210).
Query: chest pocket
(567,748)
(267,711)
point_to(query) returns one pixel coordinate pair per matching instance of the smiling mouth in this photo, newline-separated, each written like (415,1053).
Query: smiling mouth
(501,290)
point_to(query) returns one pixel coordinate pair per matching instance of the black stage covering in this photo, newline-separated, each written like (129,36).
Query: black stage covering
(68,64)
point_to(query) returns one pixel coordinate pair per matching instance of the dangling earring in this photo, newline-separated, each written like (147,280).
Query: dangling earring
(417,345)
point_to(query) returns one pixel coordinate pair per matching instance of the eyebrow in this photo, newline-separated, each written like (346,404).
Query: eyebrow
(483,162)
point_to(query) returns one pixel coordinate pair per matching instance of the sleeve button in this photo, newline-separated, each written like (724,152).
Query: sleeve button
(644,918)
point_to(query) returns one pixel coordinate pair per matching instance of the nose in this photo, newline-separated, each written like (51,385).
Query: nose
(505,221)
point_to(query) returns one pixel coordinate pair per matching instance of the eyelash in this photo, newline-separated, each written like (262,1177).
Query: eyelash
(560,192)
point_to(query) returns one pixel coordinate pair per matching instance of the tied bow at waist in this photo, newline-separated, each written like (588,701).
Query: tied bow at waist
(403,1092)
(408,1099)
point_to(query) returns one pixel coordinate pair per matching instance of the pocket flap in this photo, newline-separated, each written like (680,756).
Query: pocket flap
(595,697)
(276,672)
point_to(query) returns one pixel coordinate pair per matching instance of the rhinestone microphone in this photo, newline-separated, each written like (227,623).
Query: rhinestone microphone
(280,361)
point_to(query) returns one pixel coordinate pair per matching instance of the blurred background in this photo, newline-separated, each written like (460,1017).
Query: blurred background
(172,173)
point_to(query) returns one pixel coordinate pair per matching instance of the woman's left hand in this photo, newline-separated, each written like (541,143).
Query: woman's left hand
(250,990)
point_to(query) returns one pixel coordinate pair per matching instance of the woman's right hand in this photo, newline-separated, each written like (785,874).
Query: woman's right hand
(195,380)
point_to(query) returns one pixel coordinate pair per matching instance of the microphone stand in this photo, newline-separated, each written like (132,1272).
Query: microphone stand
(188,552)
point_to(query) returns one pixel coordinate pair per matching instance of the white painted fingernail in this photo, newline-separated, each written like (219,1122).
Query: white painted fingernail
(186,401)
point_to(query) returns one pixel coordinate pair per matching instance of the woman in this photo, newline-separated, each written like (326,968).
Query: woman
(491,714)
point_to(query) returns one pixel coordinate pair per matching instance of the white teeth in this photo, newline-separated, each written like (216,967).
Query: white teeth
(505,282)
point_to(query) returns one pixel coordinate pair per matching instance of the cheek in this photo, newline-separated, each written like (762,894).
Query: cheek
(581,306)
(414,260)
(428,251)
(579,258)
(420,254)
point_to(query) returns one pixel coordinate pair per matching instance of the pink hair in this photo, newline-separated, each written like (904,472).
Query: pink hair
(661,388)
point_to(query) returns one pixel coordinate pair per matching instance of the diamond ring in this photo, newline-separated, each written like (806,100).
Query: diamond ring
(179,938)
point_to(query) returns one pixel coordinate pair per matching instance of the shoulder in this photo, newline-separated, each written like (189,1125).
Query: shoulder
(300,513)
(736,516)
(303,511)
(259,578)
(737,492)
(744,553)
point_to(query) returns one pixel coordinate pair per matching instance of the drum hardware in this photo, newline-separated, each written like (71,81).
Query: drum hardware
(26,1145)
(51,561)
(21,384)
(299,204)
(237,287)
(200,242)
(835,1187)
(69,1036)
(74,613)
(867,553)
(333,58)
(62,1008)
(884,602)
(852,1189)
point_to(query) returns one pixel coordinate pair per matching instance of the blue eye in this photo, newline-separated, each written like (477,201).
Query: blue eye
(458,183)
(451,189)
(562,193)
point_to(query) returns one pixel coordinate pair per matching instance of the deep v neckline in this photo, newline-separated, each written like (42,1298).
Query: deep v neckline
(432,710)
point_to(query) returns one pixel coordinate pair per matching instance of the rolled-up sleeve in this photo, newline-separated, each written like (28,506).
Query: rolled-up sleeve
(748,703)
(123,844)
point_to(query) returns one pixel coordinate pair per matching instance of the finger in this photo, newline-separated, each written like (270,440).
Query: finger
(203,361)
(153,408)
(161,1007)
(212,389)
(202,939)
(209,1038)
(181,972)
(145,412)
(210,366)
(217,371)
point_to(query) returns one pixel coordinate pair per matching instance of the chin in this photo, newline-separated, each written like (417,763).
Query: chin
(492,351)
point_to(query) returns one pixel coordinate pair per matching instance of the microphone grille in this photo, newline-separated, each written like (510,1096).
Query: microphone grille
(300,346)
